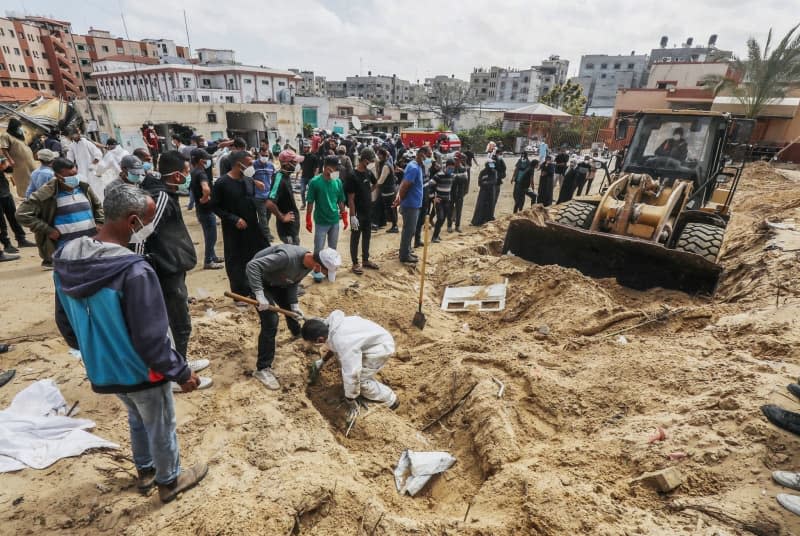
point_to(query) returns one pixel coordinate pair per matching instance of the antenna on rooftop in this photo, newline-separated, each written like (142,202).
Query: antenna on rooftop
(189,46)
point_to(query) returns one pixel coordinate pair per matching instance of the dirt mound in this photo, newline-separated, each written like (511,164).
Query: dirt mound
(550,406)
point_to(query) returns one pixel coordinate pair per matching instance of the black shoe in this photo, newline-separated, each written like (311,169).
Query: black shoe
(395,405)
(47,265)
(7,257)
(436,240)
(25,243)
(410,260)
(787,420)
(794,389)
(449,229)
(417,244)
(6,376)
(9,247)
(393,230)
(5,348)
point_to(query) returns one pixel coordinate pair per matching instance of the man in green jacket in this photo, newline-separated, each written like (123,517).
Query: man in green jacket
(62,209)
(325,192)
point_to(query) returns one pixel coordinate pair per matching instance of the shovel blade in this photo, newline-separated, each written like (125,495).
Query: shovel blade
(419,320)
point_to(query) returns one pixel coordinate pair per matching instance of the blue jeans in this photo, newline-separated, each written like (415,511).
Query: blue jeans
(208,222)
(410,217)
(154,442)
(191,203)
(321,232)
(303,187)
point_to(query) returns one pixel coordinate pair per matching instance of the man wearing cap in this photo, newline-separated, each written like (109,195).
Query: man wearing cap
(131,172)
(281,201)
(358,188)
(8,212)
(273,275)
(325,193)
(44,173)
(232,200)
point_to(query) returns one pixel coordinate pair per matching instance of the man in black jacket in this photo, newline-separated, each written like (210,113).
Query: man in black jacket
(166,244)
(500,168)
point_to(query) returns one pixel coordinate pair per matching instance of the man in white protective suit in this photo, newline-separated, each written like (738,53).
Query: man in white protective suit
(363,348)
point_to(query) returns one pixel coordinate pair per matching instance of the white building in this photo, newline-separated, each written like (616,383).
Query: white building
(312,85)
(134,78)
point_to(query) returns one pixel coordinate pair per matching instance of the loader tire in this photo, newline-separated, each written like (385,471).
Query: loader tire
(577,214)
(701,239)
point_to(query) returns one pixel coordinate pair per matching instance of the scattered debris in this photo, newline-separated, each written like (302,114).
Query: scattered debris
(501,385)
(415,469)
(622,340)
(659,435)
(488,298)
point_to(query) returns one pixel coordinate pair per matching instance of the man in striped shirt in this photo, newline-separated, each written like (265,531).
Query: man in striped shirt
(61,210)
(442,183)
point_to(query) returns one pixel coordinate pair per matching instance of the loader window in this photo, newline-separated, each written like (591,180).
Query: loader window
(670,146)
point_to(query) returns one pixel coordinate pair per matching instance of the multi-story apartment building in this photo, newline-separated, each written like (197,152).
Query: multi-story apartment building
(336,88)
(388,89)
(138,78)
(601,75)
(689,52)
(499,84)
(44,54)
(312,85)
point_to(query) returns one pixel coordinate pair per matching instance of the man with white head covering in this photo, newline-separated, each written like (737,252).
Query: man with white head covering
(273,275)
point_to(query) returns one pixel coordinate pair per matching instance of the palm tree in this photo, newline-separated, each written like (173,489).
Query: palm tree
(765,76)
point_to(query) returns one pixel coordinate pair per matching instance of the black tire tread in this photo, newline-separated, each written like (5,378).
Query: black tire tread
(576,214)
(701,239)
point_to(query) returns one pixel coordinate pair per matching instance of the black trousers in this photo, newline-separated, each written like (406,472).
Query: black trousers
(442,214)
(364,232)
(176,298)
(425,212)
(519,197)
(284,297)
(9,210)
(456,208)
(377,214)
(389,212)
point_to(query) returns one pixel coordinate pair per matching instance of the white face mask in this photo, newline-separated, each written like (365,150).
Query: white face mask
(249,171)
(263,159)
(676,137)
(143,233)
(334,175)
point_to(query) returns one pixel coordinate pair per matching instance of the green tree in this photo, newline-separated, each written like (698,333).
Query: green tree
(764,77)
(567,97)
(308,130)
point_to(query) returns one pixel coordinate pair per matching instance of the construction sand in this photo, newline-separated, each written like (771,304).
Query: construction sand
(555,455)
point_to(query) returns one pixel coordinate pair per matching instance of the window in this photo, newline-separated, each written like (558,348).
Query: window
(16,51)
(104,48)
(40,70)
(403,116)
(631,66)
(84,61)
(590,65)
(604,66)
(16,84)
(206,82)
(52,86)
(120,50)
(603,75)
(211,117)
(24,84)
(35,54)
(21,68)
(281,83)
(80,47)
(265,82)
(11,33)
(186,83)
(248,80)
(6,83)
(2,32)
(229,99)
(617,66)
(44,55)
(27,52)
(6,49)
(2,67)
(49,71)
(206,98)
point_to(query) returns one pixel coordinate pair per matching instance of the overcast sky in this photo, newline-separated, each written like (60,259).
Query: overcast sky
(417,39)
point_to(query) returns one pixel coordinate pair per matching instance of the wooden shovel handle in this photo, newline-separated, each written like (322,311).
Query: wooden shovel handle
(251,301)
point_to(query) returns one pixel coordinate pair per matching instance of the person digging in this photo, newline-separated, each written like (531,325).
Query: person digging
(362,348)
(274,274)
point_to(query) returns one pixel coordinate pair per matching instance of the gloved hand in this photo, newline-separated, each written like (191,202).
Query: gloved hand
(345,219)
(295,308)
(353,223)
(314,370)
(263,301)
(353,409)
(309,223)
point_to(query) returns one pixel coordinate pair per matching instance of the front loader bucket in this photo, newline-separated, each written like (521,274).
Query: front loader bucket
(633,262)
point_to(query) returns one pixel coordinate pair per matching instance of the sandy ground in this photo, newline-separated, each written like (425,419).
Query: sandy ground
(555,455)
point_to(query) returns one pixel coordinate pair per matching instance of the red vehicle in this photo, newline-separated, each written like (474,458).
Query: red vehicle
(449,140)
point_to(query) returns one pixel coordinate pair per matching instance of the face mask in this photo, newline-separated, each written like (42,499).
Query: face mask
(448,172)
(137,237)
(182,186)
(147,166)
(208,164)
(249,171)
(491,166)
(427,162)
(73,181)
(263,159)
(334,175)
(134,178)
(676,137)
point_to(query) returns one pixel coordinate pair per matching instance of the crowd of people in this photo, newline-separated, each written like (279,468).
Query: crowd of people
(120,249)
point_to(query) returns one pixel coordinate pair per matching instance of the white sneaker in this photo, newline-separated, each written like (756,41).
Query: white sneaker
(787,479)
(790,502)
(266,377)
(205,383)
(198,364)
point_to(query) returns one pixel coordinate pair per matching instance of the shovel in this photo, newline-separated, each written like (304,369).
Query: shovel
(251,301)
(419,317)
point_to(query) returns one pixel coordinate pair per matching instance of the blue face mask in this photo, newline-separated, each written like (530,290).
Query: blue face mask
(134,178)
(491,166)
(427,162)
(147,166)
(73,181)
(208,164)
(449,172)
(182,186)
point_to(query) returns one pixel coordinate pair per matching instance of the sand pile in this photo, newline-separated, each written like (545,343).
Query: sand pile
(590,371)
